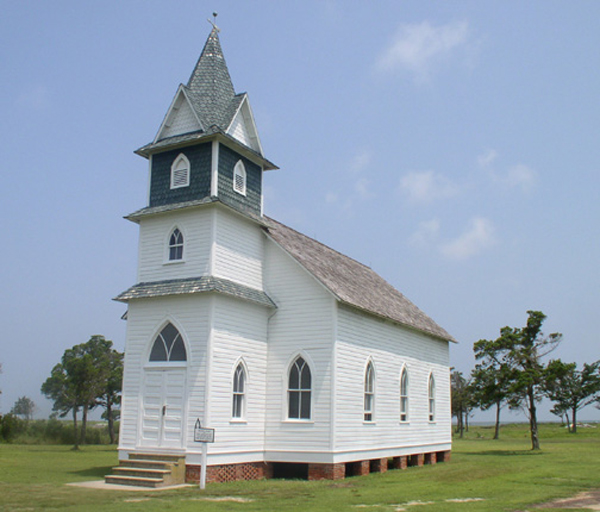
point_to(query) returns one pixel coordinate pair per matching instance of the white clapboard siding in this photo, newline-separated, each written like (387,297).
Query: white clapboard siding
(155,231)
(238,250)
(302,324)
(144,320)
(362,337)
(239,335)
(239,131)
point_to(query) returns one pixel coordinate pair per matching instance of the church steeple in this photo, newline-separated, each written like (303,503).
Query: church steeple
(210,87)
(207,148)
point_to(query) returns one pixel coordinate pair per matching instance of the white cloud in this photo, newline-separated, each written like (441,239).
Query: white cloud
(427,233)
(331,197)
(521,176)
(361,187)
(478,237)
(487,159)
(426,186)
(517,176)
(416,47)
(360,162)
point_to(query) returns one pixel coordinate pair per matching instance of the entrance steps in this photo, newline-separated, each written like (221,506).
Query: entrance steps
(148,470)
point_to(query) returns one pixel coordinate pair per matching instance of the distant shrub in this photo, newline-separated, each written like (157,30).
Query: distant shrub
(51,431)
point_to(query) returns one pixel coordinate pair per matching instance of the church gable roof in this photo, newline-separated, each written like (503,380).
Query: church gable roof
(352,282)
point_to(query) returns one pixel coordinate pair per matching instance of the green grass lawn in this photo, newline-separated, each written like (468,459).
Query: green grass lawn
(484,475)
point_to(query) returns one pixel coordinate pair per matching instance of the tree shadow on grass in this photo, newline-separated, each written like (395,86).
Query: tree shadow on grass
(97,472)
(505,453)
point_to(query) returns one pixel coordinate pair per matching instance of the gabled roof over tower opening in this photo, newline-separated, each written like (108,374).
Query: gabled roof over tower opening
(207,106)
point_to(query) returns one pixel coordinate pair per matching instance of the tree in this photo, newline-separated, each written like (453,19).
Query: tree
(110,398)
(490,380)
(461,400)
(571,389)
(83,380)
(24,407)
(520,352)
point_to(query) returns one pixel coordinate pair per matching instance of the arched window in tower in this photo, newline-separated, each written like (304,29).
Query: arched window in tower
(404,395)
(176,245)
(180,172)
(168,346)
(431,395)
(239,392)
(239,178)
(369,392)
(299,390)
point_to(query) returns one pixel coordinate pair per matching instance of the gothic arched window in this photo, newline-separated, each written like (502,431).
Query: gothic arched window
(431,395)
(168,346)
(176,245)
(404,395)
(369,392)
(299,390)
(239,392)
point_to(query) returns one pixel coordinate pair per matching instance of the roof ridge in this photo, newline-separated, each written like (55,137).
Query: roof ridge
(320,243)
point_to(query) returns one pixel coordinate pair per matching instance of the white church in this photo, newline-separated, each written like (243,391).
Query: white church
(305,362)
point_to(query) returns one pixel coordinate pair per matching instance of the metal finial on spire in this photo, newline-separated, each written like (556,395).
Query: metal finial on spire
(214,21)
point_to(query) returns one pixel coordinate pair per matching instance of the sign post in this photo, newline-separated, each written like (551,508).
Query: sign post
(204,436)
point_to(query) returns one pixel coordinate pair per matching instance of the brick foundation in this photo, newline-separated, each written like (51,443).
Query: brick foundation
(338,471)
(326,471)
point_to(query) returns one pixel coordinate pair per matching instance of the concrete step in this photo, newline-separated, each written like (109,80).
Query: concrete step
(134,480)
(143,472)
(146,464)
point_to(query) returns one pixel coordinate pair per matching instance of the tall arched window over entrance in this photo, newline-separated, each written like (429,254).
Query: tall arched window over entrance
(176,245)
(168,346)
(299,390)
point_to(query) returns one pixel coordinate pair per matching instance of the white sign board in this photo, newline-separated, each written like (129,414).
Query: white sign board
(203,435)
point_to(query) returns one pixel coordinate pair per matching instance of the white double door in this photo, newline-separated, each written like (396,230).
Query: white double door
(163,408)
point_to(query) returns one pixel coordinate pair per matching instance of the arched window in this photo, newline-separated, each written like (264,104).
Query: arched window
(168,346)
(369,392)
(180,172)
(239,392)
(239,178)
(299,388)
(176,245)
(431,395)
(404,395)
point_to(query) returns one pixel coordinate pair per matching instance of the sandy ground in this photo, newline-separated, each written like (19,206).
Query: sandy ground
(589,500)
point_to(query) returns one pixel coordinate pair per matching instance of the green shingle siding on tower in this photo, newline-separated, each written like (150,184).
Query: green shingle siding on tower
(199,187)
(252,200)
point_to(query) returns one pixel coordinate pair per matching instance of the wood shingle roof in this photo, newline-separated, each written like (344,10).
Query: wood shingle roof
(352,282)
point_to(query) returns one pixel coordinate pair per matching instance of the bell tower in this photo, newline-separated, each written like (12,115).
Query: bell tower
(207,148)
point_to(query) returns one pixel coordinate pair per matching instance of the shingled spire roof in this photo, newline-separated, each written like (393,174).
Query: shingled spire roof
(210,88)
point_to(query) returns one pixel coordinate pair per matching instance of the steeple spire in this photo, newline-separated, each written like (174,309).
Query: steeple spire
(210,84)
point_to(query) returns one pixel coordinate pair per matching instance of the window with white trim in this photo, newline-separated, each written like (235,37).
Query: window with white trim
(168,346)
(239,178)
(299,390)
(404,395)
(239,392)
(180,172)
(431,395)
(176,245)
(369,402)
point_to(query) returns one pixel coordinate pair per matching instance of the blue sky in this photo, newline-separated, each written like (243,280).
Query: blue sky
(451,146)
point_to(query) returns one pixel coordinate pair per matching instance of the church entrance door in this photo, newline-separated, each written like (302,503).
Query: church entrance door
(163,408)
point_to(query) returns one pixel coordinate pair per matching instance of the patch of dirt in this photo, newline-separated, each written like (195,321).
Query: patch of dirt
(589,500)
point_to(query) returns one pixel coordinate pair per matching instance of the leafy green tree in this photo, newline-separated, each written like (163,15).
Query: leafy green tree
(110,398)
(83,380)
(521,351)
(490,380)
(461,400)
(24,407)
(572,389)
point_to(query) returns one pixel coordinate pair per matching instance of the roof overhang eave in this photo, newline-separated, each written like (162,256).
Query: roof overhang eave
(150,149)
